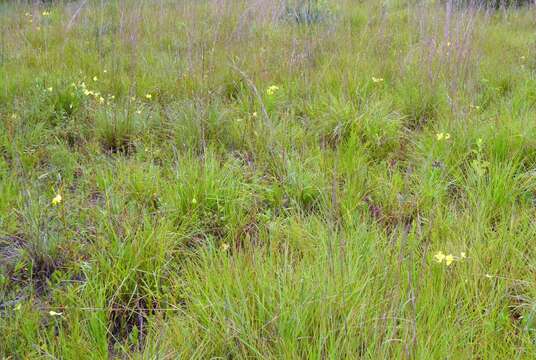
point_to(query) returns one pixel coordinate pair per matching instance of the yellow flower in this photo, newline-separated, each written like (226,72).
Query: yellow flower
(377,80)
(462,255)
(56,200)
(149,96)
(138,112)
(442,136)
(272,89)
(53,313)
(225,247)
(95,78)
(18,307)
(449,259)
(254,114)
(439,256)
(46,13)
(50,89)
(194,201)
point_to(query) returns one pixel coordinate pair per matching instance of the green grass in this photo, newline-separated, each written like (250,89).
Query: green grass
(203,216)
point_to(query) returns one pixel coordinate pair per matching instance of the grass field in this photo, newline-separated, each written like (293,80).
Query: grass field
(238,179)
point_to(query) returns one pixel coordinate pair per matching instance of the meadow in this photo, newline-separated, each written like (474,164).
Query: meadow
(268,179)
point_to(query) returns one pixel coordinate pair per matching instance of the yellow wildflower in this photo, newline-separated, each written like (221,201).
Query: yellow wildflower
(57,199)
(194,201)
(53,313)
(95,78)
(46,13)
(377,80)
(449,259)
(272,89)
(442,136)
(50,89)
(439,256)
(225,247)
(149,96)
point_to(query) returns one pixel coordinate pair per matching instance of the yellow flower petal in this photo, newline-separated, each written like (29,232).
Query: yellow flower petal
(57,199)
(439,256)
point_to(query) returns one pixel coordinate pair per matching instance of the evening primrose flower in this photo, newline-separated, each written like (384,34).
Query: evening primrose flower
(225,247)
(57,199)
(149,96)
(46,13)
(442,136)
(377,80)
(272,90)
(95,78)
(439,256)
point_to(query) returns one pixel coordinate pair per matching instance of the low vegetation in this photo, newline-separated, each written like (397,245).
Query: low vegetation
(267,179)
